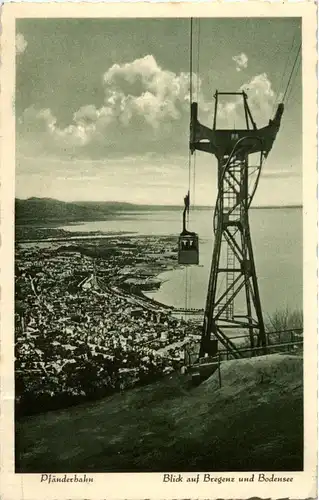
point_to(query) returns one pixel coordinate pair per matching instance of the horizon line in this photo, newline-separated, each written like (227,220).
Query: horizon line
(292,205)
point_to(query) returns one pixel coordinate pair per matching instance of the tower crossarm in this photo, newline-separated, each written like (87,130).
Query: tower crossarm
(221,142)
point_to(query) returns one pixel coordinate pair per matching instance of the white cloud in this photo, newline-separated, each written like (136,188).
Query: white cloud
(21,43)
(145,108)
(142,91)
(241,61)
(261,98)
(143,104)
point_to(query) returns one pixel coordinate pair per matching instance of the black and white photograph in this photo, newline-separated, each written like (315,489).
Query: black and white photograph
(158,254)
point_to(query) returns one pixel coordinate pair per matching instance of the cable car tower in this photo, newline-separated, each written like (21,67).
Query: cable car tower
(233,300)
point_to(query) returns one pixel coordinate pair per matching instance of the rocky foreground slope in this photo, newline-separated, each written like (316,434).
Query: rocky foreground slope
(253,422)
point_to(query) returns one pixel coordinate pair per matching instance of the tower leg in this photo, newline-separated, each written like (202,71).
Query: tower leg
(209,325)
(233,306)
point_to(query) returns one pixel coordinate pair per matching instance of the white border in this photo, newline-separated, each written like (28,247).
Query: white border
(139,486)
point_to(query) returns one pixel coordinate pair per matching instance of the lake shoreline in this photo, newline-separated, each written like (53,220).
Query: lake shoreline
(278,261)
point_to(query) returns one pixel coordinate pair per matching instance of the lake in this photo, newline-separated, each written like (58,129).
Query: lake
(277,241)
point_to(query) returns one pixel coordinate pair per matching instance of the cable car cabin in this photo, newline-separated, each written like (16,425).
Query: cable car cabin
(188,249)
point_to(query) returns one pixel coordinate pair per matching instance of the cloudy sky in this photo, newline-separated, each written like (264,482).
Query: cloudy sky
(102,106)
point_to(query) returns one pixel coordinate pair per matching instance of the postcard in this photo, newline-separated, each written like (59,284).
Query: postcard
(159,250)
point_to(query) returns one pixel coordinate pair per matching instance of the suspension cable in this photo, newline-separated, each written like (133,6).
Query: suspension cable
(186,292)
(189,154)
(284,72)
(198,52)
(190,102)
(293,82)
(191,64)
(197,98)
(194,180)
(291,73)
(193,165)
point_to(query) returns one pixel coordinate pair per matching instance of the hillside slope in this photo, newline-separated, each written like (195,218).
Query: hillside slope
(253,422)
(35,210)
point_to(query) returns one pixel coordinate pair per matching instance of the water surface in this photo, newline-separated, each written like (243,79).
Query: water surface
(277,242)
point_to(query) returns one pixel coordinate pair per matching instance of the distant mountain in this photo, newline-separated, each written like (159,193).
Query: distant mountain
(34,210)
(37,210)
(120,206)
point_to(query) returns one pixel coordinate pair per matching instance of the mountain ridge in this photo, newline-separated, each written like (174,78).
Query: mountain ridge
(35,209)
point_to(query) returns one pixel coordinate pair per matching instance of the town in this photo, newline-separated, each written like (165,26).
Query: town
(84,329)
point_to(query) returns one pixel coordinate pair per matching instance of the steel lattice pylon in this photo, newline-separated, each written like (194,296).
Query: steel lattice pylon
(233,301)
